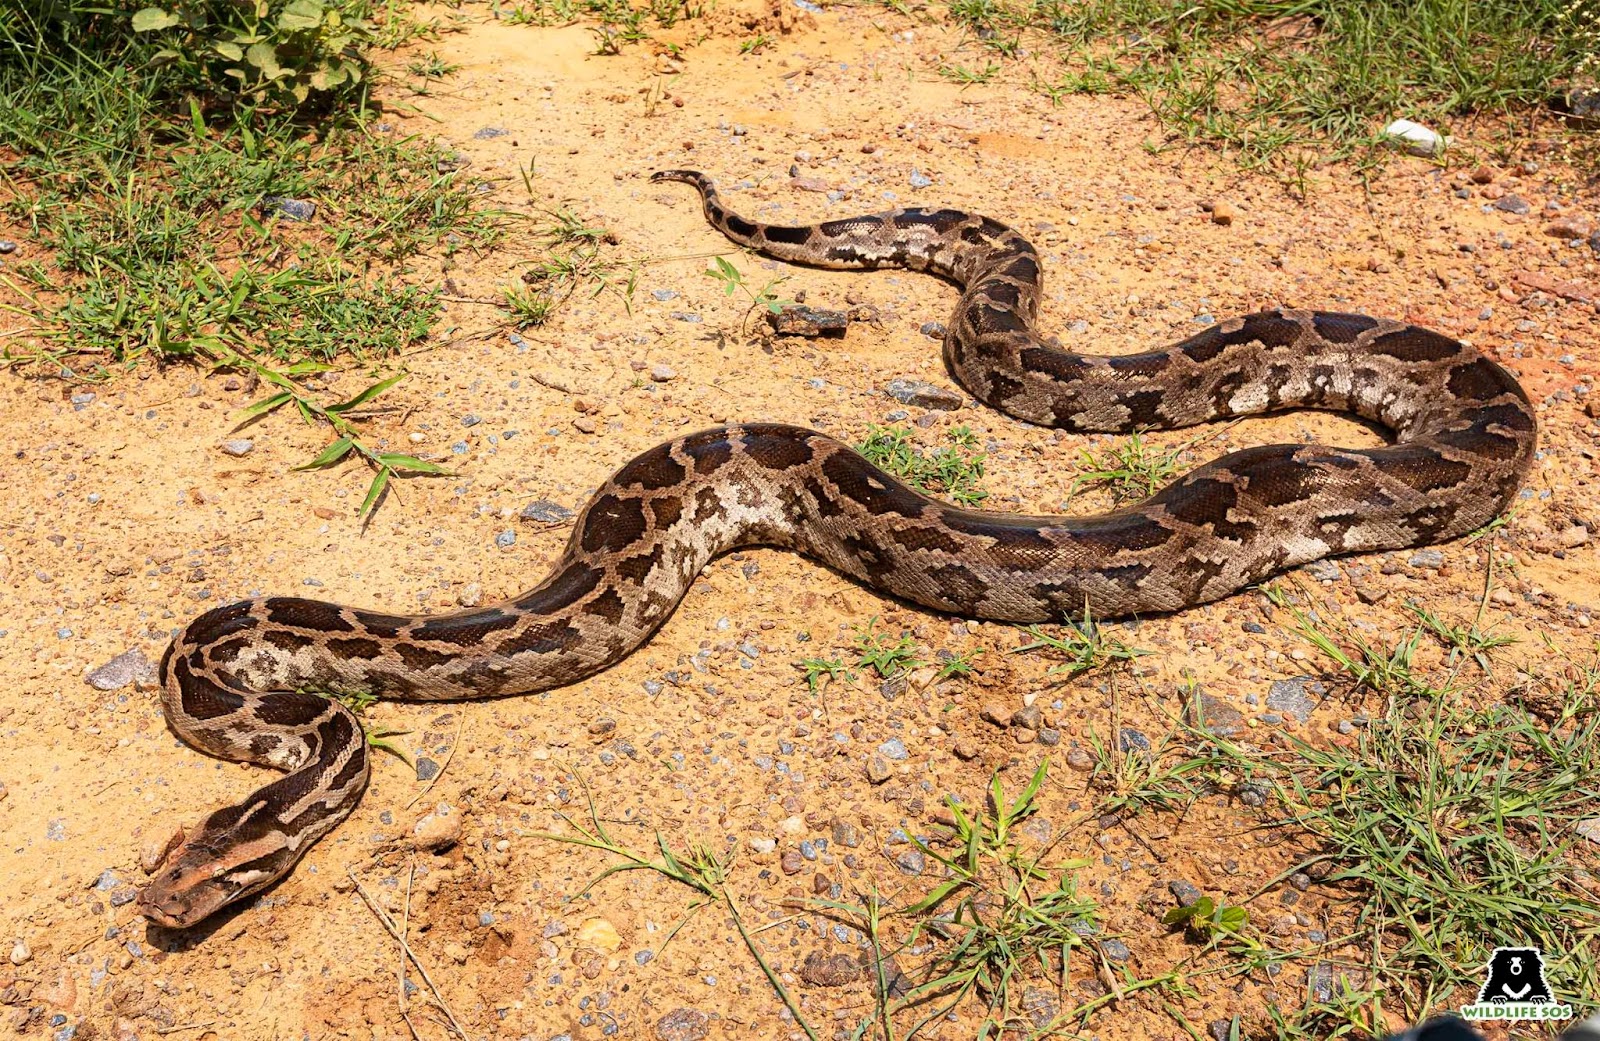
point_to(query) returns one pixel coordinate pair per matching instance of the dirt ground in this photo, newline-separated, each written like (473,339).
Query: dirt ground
(123,517)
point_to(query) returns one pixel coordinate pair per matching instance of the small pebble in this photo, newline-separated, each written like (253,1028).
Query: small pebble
(128,667)
(927,395)
(294,209)
(239,447)
(911,862)
(684,1024)
(1427,558)
(996,715)
(506,539)
(545,512)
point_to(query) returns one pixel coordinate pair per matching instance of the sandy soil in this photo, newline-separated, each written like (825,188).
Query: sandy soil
(123,517)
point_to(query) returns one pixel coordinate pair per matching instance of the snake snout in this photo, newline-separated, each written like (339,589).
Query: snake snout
(164,907)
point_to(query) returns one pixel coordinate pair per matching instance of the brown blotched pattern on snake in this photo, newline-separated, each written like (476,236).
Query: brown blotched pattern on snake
(1464,440)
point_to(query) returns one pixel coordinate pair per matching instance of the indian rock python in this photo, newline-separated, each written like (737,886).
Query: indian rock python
(1464,440)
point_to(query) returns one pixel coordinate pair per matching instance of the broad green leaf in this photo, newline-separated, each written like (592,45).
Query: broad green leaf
(368,394)
(153,19)
(264,56)
(379,483)
(1232,919)
(1179,915)
(228,50)
(301,14)
(330,455)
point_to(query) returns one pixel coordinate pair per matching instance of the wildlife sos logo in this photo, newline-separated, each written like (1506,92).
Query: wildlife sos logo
(1516,989)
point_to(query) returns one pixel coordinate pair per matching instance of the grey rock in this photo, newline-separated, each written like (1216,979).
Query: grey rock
(1220,1029)
(1581,106)
(810,322)
(1115,950)
(239,447)
(663,295)
(1041,1006)
(1214,715)
(1254,793)
(127,667)
(918,179)
(846,834)
(545,512)
(1512,204)
(928,395)
(1186,893)
(1430,557)
(486,133)
(911,862)
(1027,717)
(1324,570)
(829,970)
(427,769)
(662,373)
(506,539)
(894,686)
(894,749)
(683,1024)
(7,246)
(933,330)
(1050,737)
(469,420)
(1132,740)
(1296,697)
(1319,982)
(294,209)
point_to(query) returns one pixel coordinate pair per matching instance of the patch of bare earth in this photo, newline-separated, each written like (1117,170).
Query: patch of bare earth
(123,517)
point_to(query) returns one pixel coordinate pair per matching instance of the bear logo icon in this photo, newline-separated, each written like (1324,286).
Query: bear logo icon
(1516,974)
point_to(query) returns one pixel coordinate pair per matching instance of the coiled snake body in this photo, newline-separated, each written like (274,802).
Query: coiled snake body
(233,680)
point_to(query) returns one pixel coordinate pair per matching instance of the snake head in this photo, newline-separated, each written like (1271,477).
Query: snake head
(222,862)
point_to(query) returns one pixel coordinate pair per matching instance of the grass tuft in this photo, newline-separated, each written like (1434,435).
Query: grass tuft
(953,471)
(1289,85)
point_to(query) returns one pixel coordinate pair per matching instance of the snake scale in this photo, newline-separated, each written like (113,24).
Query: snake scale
(235,681)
